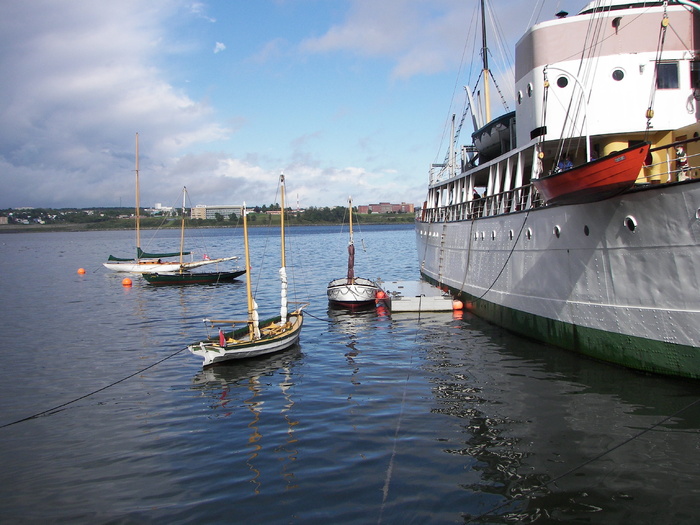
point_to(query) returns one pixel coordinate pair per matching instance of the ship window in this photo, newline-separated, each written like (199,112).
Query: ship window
(695,74)
(618,75)
(562,82)
(510,233)
(493,235)
(586,230)
(520,97)
(557,231)
(529,89)
(667,75)
(631,223)
(528,234)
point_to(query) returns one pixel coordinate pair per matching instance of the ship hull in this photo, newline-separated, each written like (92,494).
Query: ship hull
(615,280)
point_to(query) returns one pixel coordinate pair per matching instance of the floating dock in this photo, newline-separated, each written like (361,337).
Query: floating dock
(417,296)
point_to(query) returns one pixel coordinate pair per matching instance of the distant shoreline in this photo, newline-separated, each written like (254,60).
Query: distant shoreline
(89,227)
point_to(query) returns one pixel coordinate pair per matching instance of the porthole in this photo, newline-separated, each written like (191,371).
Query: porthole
(697,214)
(529,89)
(520,97)
(510,233)
(586,231)
(482,236)
(557,231)
(493,235)
(528,234)
(618,75)
(631,223)
(562,82)
(476,236)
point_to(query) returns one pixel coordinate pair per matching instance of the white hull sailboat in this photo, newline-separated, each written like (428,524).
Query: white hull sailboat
(351,291)
(257,337)
(153,262)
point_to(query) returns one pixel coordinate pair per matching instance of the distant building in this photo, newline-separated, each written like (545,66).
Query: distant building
(386,207)
(204,211)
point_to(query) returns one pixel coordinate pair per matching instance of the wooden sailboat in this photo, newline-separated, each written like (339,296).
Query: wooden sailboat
(184,275)
(351,291)
(257,337)
(152,262)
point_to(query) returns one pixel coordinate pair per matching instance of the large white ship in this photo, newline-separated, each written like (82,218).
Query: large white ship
(586,262)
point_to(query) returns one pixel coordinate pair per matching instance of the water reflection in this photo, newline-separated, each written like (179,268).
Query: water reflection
(552,434)
(248,388)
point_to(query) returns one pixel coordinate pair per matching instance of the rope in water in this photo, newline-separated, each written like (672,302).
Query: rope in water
(63,405)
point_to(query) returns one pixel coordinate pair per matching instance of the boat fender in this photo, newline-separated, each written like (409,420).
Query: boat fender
(222,339)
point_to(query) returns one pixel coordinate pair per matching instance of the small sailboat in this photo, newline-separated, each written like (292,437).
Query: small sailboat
(350,291)
(152,262)
(257,337)
(184,275)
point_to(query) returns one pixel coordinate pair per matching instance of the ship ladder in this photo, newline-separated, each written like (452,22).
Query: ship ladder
(441,264)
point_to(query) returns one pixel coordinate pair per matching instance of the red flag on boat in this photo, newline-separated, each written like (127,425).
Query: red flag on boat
(222,339)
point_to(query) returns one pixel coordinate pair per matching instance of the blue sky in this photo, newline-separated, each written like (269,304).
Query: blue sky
(347,97)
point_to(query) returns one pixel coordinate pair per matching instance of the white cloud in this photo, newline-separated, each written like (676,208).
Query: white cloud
(83,82)
(219,47)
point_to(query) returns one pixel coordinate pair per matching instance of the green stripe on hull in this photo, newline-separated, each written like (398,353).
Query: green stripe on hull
(647,355)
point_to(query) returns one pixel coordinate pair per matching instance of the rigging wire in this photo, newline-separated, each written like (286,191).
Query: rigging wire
(63,405)
(465,49)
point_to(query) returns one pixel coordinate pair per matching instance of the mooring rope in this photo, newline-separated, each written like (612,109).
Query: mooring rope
(62,405)
(390,467)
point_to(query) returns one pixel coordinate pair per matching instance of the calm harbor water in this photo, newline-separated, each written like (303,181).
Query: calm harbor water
(371,419)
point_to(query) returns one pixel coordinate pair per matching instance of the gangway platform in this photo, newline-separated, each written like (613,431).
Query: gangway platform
(417,296)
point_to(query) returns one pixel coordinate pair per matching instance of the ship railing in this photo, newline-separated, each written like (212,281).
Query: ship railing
(674,162)
(518,199)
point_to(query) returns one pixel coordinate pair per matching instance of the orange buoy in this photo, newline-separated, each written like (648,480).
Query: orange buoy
(381,295)
(457,304)
(126,281)
(81,271)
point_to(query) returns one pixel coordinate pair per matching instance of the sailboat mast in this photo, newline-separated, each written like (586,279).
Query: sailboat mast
(351,248)
(138,203)
(485,58)
(182,229)
(350,212)
(252,310)
(283,264)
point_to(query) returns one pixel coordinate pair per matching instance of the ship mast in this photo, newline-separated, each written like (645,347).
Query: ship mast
(485,59)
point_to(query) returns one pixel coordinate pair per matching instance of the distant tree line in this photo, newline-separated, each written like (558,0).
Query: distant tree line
(123,218)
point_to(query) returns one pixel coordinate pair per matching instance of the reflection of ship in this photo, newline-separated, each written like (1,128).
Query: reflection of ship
(240,387)
(555,255)
(567,412)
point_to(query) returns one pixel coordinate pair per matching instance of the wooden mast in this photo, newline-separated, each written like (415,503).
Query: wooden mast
(485,58)
(351,248)
(253,330)
(283,263)
(138,204)
(182,228)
